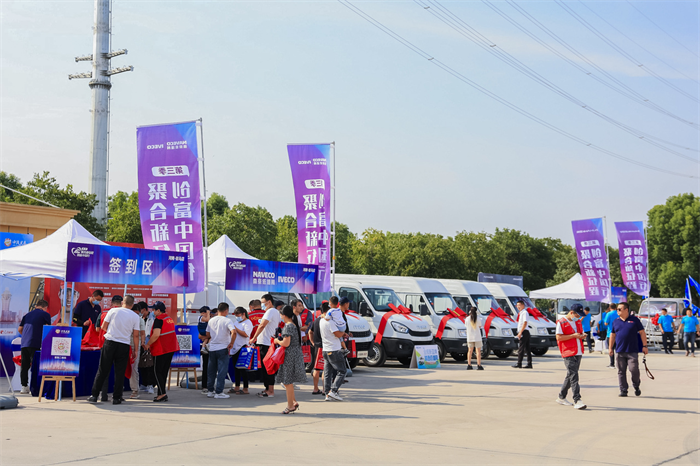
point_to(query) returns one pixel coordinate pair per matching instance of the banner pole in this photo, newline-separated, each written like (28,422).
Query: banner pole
(206,229)
(646,246)
(607,255)
(184,305)
(63,303)
(334,229)
(72,298)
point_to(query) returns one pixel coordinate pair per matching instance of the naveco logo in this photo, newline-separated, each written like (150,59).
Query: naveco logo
(81,251)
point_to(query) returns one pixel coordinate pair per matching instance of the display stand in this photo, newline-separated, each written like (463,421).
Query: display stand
(184,370)
(58,379)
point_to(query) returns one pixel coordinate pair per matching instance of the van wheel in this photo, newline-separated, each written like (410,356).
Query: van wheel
(459,357)
(502,354)
(376,355)
(406,361)
(485,350)
(441,350)
(539,351)
(353,362)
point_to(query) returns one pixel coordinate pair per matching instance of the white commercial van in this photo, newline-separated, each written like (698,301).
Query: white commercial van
(430,300)
(596,307)
(501,332)
(542,330)
(650,307)
(401,332)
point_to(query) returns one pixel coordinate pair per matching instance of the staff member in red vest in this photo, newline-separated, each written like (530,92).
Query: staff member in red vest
(162,344)
(570,337)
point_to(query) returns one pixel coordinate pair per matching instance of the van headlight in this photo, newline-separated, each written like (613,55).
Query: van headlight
(463,333)
(506,332)
(399,327)
(542,331)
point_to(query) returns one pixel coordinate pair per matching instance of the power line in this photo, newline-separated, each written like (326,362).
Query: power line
(459,25)
(661,29)
(621,51)
(494,96)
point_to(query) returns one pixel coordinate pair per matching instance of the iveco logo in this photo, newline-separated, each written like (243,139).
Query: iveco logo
(304,162)
(155,146)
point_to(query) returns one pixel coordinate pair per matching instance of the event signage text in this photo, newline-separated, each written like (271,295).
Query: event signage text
(425,357)
(270,276)
(127,266)
(619,294)
(592,259)
(11,240)
(60,351)
(312,189)
(169,199)
(188,355)
(496,278)
(633,256)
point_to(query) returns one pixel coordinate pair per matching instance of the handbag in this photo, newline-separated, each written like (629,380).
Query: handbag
(255,360)
(320,363)
(306,351)
(271,363)
(146,359)
(245,358)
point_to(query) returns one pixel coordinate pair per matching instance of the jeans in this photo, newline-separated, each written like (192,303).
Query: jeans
(134,380)
(117,354)
(668,340)
(27,357)
(612,358)
(571,381)
(161,368)
(268,379)
(524,348)
(334,371)
(628,361)
(239,375)
(217,370)
(589,340)
(689,341)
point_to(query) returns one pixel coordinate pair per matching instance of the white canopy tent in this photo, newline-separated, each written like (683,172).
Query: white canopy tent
(571,289)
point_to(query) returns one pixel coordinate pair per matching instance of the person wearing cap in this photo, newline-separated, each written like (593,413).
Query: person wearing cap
(120,325)
(162,344)
(204,316)
(570,337)
(625,335)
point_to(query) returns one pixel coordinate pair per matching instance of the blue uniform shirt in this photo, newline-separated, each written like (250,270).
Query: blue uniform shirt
(627,339)
(586,323)
(610,317)
(33,326)
(666,322)
(689,324)
(85,311)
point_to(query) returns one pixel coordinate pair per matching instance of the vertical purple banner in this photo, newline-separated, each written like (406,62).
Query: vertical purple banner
(590,250)
(169,204)
(312,187)
(633,256)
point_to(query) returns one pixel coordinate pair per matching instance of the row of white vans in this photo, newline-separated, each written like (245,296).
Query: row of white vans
(425,318)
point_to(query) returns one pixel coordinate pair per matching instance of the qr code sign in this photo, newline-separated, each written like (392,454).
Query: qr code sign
(185,342)
(60,347)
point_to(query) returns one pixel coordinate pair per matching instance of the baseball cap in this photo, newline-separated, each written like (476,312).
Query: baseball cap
(344,300)
(577,308)
(158,305)
(117,299)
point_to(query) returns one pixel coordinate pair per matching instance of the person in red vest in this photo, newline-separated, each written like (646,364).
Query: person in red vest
(162,344)
(570,337)
(255,313)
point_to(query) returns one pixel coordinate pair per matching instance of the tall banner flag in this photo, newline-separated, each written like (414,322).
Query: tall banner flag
(633,256)
(590,250)
(312,188)
(169,200)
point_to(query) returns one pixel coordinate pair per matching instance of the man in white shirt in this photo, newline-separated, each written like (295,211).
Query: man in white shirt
(269,323)
(221,334)
(523,336)
(120,325)
(334,369)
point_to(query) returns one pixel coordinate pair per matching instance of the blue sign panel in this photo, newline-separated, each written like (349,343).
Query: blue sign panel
(60,351)
(270,276)
(11,240)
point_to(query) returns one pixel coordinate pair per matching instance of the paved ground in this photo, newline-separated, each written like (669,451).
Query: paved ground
(392,415)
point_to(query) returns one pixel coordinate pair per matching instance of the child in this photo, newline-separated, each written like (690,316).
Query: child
(337,315)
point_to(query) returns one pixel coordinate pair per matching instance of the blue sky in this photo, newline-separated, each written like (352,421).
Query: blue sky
(417,149)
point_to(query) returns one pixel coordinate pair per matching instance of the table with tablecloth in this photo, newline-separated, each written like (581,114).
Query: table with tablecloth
(89,363)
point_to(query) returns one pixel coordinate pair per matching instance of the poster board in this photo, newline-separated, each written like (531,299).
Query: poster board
(425,357)
(188,357)
(60,351)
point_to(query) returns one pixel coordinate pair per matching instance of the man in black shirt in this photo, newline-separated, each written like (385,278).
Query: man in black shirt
(88,310)
(315,337)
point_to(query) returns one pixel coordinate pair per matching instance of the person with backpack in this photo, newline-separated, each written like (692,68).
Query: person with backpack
(570,337)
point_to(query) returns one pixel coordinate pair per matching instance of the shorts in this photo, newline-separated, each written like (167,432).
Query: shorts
(475,344)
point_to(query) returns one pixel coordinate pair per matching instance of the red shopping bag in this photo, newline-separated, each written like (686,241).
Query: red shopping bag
(272,359)
(319,360)
(92,338)
(306,350)
(132,359)
(353,349)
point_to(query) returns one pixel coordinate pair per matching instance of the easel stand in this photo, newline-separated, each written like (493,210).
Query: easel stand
(185,371)
(58,379)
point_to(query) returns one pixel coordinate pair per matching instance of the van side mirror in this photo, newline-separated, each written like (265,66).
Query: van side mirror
(364,310)
(423,308)
(410,307)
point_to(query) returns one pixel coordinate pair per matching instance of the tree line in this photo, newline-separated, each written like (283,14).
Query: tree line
(673,240)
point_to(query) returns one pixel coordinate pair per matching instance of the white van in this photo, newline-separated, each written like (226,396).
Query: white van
(430,300)
(401,332)
(651,307)
(596,307)
(542,330)
(501,333)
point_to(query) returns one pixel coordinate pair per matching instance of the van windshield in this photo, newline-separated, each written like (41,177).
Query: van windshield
(563,305)
(525,299)
(651,308)
(485,303)
(440,302)
(381,298)
(505,305)
(320,297)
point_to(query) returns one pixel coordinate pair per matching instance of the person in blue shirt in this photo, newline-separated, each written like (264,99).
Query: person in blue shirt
(32,328)
(668,328)
(610,317)
(586,323)
(689,327)
(625,334)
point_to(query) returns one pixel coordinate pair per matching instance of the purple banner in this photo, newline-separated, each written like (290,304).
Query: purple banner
(270,276)
(633,256)
(590,250)
(169,201)
(312,187)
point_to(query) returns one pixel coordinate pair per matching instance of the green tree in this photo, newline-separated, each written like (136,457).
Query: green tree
(11,181)
(673,238)
(216,205)
(370,255)
(344,248)
(287,244)
(124,224)
(252,228)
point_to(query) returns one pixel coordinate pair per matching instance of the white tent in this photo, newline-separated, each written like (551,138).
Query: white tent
(46,257)
(571,289)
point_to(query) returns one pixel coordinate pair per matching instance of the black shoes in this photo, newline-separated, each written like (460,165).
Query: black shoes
(517,367)
(479,368)
(117,401)
(104,399)
(92,399)
(637,391)
(470,368)
(527,367)
(622,394)
(522,367)
(670,351)
(666,351)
